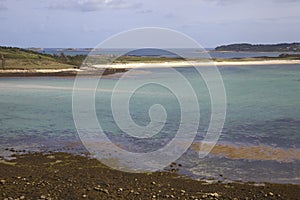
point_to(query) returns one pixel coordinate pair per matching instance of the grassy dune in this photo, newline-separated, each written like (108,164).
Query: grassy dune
(16,58)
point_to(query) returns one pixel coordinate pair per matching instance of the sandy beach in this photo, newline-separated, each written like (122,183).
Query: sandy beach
(197,63)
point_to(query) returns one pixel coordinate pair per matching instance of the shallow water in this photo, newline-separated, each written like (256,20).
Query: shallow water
(263,119)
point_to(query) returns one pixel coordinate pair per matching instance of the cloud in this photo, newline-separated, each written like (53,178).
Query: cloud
(286,1)
(93,5)
(228,2)
(2,5)
(147,11)
(221,2)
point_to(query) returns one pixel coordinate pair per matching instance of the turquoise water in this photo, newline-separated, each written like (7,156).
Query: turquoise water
(188,53)
(263,110)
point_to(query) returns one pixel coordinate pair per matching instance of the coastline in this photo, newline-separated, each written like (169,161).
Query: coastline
(56,72)
(121,67)
(62,175)
(200,64)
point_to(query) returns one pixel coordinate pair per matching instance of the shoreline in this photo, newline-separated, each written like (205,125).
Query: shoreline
(122,67)
(201,64)
(63,175)
(56,72)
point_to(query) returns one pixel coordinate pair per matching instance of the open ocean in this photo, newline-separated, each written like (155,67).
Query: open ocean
(263,120)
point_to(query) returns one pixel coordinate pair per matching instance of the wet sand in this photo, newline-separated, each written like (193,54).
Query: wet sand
(261,152)
(67,176)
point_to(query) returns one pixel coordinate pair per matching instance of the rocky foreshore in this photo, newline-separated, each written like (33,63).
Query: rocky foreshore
(68,176)
(58,72)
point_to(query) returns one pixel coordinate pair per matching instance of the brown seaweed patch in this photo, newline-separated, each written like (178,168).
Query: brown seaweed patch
(261,152)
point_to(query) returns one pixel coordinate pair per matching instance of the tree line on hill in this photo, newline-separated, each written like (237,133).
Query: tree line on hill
(283,47)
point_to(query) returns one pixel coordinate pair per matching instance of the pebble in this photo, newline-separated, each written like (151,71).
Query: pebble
(271,194)
(153,183)
(105,191)
(84,196)
(182,191)
(3,181)
(96,188)
(22,197)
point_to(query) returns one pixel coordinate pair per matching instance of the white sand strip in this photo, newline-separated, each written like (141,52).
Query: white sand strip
(197,63)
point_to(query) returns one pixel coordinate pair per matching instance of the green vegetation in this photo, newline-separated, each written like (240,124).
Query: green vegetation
(261,58)
(284,47)
(17,58)
(290,56)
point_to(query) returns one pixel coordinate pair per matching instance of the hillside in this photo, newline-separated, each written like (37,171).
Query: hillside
(17,58)
(284,47)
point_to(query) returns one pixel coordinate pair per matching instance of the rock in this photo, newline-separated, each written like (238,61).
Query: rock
(43,197)
(120,189)
(84,196)
(96,188)
(22,197)
(105,191)
(271,194)
(3,181)
(182,191)
(153,183)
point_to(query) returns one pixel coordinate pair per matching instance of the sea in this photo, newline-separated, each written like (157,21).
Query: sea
(187,52)
(259,142)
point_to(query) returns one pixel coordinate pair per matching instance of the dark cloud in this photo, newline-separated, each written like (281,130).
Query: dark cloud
(93,5)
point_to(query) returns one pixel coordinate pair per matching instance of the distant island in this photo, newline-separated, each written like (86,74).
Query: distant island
(283,47)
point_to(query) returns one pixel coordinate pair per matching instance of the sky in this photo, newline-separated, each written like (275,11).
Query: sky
(86,23)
